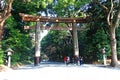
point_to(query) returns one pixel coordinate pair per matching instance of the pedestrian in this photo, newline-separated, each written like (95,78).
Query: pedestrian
(68,60)
(77,60)
(81,60)
(73,60)
(65,59)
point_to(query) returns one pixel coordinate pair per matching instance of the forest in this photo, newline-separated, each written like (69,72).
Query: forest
(102,30)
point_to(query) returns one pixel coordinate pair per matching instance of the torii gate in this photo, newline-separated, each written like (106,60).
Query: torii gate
(38,19)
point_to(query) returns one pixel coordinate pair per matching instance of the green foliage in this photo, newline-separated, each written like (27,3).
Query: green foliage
(118,41)
(1,56)
(24,7)
(22,45)
(67,8)
(95,37)
(14,35)
(57,44)
(99,17)
(95,42)
(42,3)
(19,42)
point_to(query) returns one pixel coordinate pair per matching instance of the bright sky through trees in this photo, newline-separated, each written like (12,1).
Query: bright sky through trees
(43,33)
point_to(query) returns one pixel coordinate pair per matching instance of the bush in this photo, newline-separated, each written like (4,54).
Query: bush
(1,57)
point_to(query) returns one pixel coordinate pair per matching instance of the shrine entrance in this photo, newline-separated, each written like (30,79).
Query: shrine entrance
(55,20)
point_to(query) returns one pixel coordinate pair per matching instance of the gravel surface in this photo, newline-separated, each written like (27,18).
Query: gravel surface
(59,71)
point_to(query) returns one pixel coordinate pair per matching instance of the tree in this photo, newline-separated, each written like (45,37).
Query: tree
(18,41)
(14,35)
(113,22)
(110,11)
(67,8)
(5,12)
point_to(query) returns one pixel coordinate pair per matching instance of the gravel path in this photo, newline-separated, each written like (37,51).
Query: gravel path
(59,71)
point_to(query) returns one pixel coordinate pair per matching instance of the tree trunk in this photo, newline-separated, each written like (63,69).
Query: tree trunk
(113,42)
(1,29)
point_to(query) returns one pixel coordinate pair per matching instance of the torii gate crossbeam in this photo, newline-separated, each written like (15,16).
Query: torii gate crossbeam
(32,18)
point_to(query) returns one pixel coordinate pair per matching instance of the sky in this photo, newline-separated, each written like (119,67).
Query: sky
(44,33)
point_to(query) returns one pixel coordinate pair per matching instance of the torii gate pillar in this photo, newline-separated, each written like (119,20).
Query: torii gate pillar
(75,40)
(37,44)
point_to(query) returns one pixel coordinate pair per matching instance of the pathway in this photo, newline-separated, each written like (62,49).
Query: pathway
(59,71)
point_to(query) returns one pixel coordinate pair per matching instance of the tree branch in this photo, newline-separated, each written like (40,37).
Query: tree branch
(117,16)
(7,11)
(103,6)
(110,13)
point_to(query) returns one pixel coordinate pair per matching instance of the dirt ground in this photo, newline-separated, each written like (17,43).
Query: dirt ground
(4,68)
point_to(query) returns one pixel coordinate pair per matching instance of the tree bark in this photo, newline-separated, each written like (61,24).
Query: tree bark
(1,29)
(112,28)
(113,43)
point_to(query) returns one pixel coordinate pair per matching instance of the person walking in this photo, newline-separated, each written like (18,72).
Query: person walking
(65,59)
(68,60)
(77,60)
(81,60)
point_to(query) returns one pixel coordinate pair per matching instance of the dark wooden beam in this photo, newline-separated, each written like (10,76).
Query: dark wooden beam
(33,18)
(52,28)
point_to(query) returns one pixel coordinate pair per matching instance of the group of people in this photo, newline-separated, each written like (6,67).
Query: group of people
(75,60)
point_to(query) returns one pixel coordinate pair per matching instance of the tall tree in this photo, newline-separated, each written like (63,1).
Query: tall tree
(67,8)
(113,21)
(110,11)
(14,35)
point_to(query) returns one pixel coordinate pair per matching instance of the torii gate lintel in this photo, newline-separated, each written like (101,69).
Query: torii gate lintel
(33,18)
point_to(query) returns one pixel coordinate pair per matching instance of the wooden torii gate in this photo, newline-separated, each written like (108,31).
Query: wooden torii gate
(38,19)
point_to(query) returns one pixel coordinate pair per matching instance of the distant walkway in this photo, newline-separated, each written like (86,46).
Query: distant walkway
(61,64)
